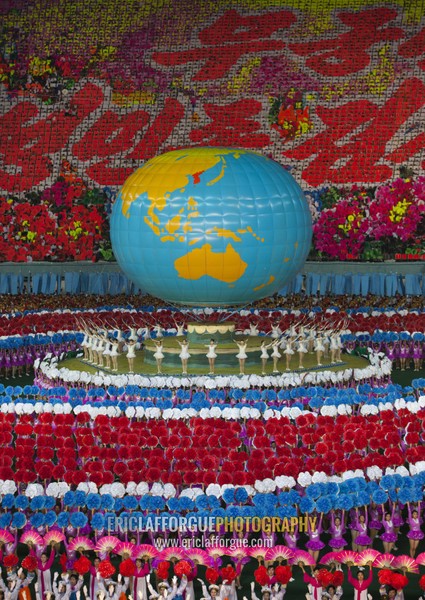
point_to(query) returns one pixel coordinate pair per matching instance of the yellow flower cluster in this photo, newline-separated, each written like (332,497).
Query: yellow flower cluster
(39,66)
(78,230)
(26,236)
(349,223)
(399,210)
(240,81)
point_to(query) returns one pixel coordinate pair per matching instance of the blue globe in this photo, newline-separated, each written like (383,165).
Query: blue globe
(211,227)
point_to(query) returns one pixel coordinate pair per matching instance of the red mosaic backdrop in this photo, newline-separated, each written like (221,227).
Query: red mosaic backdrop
(90,91)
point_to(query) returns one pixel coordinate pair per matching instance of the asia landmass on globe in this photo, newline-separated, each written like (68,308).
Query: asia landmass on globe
(211,226)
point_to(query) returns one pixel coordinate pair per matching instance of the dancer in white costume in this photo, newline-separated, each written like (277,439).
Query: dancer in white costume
(114,355)
(288,352)
(242,355)
(211,355)
(319,349)
(301,349)
(275,355)
(107,352)
(264,356)
(159,355)
(131,355)
(184,355)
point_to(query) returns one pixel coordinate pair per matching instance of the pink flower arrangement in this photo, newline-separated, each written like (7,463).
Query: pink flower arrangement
(341,230)
(398,209)
(394,215)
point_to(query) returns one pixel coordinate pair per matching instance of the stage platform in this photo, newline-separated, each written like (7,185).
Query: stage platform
(143,368)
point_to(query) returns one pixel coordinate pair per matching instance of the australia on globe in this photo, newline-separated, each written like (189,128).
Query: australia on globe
(211,227)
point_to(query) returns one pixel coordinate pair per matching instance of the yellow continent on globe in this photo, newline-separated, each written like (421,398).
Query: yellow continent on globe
(225,266)
(158,189)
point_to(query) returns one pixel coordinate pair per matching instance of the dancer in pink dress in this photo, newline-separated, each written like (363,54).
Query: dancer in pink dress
(375,520)
(315,544)
(415,533)
(291,538)
(389,536)
(363,540)
(337,530)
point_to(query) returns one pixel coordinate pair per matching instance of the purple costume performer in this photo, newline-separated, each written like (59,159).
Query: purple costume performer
(415,532)
(315,543)
(389,534)
(291,538)
(404,350)
(15,359)
(396,515)
(336,532)
(391,352)
(417,350)
(362,539)
(29,359)
(375,518)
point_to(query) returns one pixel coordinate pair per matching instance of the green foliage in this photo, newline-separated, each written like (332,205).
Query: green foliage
(373,251)
(330,197)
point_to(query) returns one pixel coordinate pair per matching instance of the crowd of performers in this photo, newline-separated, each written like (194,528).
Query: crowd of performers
(332,539)
(286,350)
(74,569)
(111,332)
(102,347)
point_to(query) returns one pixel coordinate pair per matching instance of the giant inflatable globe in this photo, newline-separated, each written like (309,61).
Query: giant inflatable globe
(211,227)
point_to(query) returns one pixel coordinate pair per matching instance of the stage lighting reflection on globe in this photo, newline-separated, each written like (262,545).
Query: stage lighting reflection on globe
(211,227)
